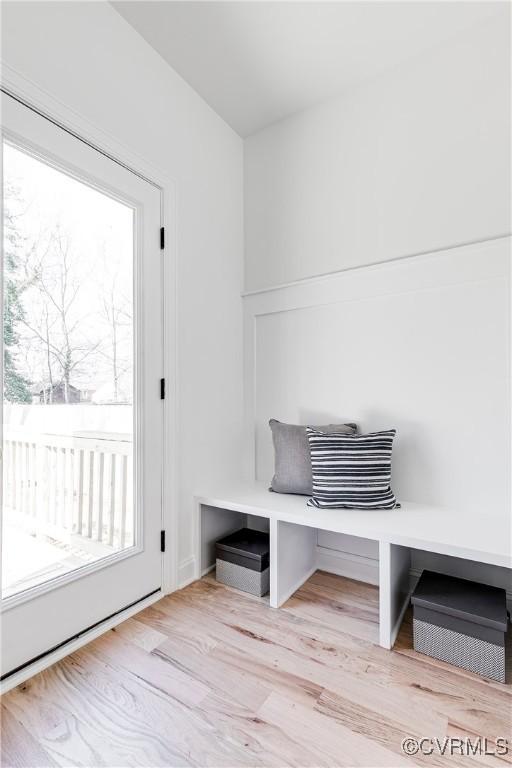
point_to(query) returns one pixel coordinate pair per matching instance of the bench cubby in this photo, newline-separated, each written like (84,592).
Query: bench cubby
(293,528)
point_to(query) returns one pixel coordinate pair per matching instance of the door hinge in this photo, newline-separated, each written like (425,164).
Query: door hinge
(162,541)
(162,389)
(162,238)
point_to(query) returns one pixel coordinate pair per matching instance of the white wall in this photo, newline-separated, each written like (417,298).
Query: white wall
(86,56)
(416,162)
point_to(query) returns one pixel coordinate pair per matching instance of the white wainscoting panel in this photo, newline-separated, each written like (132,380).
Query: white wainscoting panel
(421,344)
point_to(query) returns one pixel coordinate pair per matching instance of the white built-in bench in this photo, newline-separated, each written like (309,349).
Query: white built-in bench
(293,534)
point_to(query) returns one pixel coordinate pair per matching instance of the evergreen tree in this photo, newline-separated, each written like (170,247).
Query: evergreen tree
(16,386)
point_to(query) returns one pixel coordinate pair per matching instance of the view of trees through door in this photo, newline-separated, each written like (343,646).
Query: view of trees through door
(68,372)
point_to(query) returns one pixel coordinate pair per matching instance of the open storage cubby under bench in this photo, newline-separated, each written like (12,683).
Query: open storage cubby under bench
(293,530)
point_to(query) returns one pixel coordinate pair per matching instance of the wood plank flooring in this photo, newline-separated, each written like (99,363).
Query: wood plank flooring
(211,677)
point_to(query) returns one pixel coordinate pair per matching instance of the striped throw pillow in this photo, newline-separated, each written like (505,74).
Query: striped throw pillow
(351,471)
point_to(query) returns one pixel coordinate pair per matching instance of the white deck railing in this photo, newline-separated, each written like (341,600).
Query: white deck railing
(65,486)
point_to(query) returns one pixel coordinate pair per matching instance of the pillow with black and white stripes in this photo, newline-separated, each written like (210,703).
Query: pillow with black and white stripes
(351,471)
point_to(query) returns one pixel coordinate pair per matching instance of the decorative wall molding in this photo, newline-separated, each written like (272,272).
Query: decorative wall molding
(471,263)
(465,264)
(444,267)
(460,268)
(368,265)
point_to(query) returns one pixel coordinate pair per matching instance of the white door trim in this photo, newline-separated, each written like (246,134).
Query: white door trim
(34,97)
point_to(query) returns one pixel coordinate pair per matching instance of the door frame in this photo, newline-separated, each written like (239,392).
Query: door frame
(35,98)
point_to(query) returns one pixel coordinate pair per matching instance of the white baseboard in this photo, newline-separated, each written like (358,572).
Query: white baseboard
(24,674)
(186,572)
(348,564)
(340,563)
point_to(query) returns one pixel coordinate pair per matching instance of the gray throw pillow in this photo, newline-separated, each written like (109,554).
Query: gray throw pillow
(292,473)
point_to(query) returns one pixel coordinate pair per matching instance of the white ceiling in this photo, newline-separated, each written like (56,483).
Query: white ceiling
(257,62)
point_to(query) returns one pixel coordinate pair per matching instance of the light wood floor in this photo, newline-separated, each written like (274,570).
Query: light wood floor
(211,677)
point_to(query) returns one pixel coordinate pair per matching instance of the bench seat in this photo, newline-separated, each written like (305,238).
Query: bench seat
(486,539)
(293,529)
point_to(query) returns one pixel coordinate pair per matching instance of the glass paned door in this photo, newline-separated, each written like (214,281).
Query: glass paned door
(68,373)
(82,361)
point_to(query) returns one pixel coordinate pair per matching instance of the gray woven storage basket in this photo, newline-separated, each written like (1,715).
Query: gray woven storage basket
(243,561)
(255,582)
(461,622)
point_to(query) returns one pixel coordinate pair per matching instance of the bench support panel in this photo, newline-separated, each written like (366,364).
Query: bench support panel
(394,590)
(292,559)
(212,523)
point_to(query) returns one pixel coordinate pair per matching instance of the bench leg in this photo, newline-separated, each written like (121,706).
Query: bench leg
(394,590)
(292,559)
